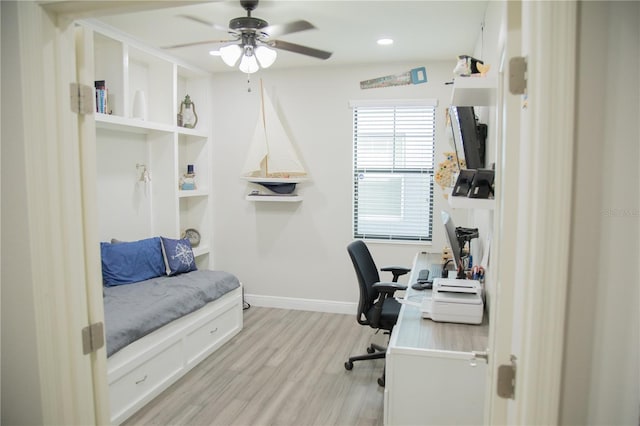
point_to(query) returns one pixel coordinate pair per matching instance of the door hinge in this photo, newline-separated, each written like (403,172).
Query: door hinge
(81,98)
(518,75)
(92,337)
(507,380)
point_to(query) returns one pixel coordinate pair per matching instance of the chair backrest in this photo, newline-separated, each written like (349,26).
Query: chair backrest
(367,274)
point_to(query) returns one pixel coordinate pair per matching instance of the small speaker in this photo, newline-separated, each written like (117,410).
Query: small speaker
(463,183)
(482,185)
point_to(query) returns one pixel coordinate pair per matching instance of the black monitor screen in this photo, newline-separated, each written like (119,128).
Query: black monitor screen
(452,239)
(467,140)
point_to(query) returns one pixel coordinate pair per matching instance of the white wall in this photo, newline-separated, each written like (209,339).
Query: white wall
(124,203)
(601,378)
(298,250)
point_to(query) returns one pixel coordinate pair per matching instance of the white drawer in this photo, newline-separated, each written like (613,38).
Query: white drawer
(141,382)
(205,338)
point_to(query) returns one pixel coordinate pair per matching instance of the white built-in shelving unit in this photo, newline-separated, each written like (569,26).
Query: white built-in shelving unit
(131,209)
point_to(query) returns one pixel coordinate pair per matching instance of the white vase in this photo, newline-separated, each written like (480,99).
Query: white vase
(139,109)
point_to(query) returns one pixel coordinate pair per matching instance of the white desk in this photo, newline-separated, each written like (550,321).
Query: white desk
(429,376)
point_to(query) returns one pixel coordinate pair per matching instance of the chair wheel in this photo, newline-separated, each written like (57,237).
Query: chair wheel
(381,381)
(348,365)
(370,350)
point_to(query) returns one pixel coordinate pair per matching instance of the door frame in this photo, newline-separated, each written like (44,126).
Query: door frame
(59,154)
(534,326)
(549,209)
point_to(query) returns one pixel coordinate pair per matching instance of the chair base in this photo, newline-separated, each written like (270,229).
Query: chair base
(373,352)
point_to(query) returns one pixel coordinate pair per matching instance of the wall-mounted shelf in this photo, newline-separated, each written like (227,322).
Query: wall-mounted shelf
(282,198)
(274,180)
(295,198)
(474,91)
(470,203)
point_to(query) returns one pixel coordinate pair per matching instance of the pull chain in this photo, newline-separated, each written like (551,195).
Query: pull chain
(248,83)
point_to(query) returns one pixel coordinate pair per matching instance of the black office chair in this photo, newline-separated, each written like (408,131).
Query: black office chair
(377,307)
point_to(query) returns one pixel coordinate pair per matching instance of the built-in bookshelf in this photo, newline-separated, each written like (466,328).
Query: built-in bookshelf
(137,129)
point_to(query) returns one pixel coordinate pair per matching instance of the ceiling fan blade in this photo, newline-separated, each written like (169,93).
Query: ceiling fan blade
(197,43)
(304,50)
(207,23)
(288,28)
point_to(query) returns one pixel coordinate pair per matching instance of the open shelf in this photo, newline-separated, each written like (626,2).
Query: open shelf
(200,250)
(474,91)
(470,203)
(200,192)
(275,198)
(132,125)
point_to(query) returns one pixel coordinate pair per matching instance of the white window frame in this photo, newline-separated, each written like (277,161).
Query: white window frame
(358,230)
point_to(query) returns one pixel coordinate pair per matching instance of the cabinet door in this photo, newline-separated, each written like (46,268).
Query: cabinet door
(434,388)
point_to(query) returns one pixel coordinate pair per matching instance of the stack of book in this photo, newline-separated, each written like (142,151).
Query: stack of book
(102,105)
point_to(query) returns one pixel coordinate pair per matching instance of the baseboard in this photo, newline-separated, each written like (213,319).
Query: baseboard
(314,305)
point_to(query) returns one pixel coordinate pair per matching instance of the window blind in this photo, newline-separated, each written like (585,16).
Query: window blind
(393,171)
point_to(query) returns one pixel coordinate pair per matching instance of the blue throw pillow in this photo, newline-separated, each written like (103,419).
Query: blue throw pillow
(131,262)
(178,256)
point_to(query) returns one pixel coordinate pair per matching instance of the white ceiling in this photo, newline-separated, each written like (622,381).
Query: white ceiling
(422,30)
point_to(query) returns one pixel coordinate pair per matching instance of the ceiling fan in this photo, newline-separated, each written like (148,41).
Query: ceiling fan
(252,39)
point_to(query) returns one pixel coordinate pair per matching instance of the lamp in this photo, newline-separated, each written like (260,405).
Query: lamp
(252,57)
(266,56)
(230,54)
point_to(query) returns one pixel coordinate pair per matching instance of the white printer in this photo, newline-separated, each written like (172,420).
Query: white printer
(454,300)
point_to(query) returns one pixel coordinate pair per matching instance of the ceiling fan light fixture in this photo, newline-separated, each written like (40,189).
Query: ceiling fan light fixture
(266,56)
(249,64)
(230,54)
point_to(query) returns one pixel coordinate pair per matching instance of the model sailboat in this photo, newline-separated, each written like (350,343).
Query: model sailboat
(272,161)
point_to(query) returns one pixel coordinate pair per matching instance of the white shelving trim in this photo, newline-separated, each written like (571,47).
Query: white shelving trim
(474,91)
(276,198)
(201,192)
(200,250)
(470,203)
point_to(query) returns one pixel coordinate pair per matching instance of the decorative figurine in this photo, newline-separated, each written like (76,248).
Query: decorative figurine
(188,181)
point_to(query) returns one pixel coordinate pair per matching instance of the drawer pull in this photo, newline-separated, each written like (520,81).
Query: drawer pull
(213,331)
(141,380)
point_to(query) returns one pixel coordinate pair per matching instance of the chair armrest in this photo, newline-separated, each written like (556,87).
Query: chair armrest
(397,271)
(386,290)
(386,287)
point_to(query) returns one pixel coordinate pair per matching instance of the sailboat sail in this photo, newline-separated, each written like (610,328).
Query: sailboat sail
(271,154)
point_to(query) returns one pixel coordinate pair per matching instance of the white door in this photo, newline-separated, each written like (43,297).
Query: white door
(60,384)
(534,213)
(62,273)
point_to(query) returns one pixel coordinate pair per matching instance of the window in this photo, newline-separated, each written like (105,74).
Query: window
(393,170)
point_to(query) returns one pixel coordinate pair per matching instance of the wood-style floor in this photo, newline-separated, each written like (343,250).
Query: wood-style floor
(284,368)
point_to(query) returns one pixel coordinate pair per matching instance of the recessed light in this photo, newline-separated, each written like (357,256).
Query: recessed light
(214,52)
(385,41)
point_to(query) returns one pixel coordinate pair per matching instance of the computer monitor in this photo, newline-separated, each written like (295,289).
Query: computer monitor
(468,136)
(452,239)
